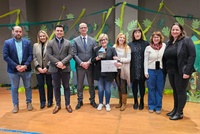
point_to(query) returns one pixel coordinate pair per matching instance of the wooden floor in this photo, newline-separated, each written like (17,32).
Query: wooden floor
(88,120)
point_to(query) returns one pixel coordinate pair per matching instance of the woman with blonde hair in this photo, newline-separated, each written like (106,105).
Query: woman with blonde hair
(123,75)
(104,78)
(41,69)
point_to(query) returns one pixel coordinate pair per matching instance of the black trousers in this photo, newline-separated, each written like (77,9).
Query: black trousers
(138,85)
(179,86)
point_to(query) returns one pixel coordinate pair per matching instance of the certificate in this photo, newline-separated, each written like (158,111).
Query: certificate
(108,66)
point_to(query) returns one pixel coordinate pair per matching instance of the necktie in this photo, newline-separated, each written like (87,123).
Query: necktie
(59,44)
(84,43)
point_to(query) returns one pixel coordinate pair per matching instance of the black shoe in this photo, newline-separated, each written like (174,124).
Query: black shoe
(172,113)
(177,116)
(42,106)
(93,104)
(135,105)
(50,105)
(141,106)
(78,106)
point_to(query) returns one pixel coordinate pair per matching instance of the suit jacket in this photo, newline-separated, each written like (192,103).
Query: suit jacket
(186,55)
(54,54)
(11,57)
(39,59)
(80,53)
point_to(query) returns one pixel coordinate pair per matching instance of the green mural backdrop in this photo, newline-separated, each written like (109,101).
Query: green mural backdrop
(145,25)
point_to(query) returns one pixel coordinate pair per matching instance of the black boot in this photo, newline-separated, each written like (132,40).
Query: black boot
(135,105)
(172,113)
(177,116)
(141,106)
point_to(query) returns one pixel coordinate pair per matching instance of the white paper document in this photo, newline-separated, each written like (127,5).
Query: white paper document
(108,66)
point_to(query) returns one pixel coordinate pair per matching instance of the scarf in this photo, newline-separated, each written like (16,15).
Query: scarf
(156,46)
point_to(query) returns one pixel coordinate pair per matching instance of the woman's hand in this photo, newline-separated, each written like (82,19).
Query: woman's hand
(115,58)
(97,58)
(147,76)
(185,76)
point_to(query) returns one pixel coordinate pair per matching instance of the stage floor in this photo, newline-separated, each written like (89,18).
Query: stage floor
(88,120)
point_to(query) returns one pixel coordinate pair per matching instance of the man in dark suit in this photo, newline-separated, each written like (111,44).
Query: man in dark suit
(83,49)
(59,52)
(18,54)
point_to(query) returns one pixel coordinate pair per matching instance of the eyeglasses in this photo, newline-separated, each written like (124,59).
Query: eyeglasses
(83,27)
(103,40)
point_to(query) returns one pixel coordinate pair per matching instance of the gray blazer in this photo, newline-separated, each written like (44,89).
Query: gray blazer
(64,54)
(38,59)
(80,54)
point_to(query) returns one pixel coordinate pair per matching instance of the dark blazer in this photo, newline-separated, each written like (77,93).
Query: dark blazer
(143,44)
(54,54)
(186,55)
(11,57)
(80,54)
(110,52)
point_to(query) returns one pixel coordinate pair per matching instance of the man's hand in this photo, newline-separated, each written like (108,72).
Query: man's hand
(85,65)
(21,68)
(59,64)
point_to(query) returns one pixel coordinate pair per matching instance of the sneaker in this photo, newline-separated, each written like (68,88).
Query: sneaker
(100,106)
(151,111)
(29,106)
(15,109)
(158,111)
(108,107)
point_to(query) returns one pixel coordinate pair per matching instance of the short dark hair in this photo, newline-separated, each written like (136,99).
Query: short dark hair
(59,26)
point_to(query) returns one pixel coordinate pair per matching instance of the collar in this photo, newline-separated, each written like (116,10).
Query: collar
(84,37)
(17,40)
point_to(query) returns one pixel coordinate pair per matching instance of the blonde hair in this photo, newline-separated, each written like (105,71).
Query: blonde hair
(38,36)
(103,35)
(125,45)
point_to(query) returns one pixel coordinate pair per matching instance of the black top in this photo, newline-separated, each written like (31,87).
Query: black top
(110,52)
(137,59)
(170,55)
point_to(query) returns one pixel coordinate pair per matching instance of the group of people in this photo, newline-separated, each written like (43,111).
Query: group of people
(136,62)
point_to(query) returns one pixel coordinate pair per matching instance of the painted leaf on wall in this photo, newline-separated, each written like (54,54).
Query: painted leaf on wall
(44,27)
(70,16)
(95,26)
(146,22)
(161,23)
(166,31)
(131,25)
(117,22)
(195,24)
(180,20)
(127,36)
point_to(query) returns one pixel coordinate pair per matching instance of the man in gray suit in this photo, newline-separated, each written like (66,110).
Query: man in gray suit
(83,50)
(59,52)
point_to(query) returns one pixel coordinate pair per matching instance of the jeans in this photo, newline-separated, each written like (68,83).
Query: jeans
(104,86)
(155,84)
(41,81)
(15,79)
(57,78)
